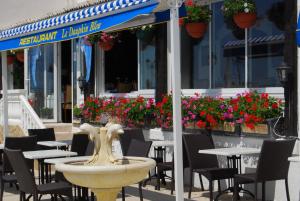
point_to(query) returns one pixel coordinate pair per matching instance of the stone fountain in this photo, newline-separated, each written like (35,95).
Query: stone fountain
(103,173)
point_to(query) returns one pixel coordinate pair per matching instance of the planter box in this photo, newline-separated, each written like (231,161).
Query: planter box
(258,129)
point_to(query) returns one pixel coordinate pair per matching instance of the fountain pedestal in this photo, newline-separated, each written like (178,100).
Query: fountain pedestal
(104,174)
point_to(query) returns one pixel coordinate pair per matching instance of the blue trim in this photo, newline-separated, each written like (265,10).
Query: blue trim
(165,15)
(76,30)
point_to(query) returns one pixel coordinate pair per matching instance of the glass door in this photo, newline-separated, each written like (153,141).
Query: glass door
(41,87)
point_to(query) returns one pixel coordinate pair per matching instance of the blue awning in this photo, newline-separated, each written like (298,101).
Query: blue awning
(75,24)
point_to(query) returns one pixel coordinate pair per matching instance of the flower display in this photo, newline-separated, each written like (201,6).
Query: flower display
(196,12)
(249,108)
(233,7)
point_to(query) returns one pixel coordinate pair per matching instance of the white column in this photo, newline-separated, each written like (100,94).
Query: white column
(26,74)
(4,90)
(298,78)
(176,92)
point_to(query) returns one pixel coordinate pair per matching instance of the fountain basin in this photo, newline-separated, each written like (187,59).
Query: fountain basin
(107,180)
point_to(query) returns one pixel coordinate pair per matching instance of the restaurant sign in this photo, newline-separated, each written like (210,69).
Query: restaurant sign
(73,31)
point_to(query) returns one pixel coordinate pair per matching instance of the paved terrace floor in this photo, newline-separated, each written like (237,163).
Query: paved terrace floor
(149,193)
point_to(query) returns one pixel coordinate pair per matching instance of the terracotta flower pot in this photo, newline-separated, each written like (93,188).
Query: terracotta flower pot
(106,46)
(245,20)
(20,56)
(196,29)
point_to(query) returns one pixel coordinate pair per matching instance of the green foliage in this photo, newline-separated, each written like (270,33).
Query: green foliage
(197,13)
(232,7)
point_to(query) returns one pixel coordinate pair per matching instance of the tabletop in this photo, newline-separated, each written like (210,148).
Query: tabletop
(67,160)
(162,143)
(294,158)
(52,143)
(43,154)
(230,151)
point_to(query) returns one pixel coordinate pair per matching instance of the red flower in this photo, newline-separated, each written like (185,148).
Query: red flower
(201,124)
(189,2)
(274,106)
(164,100)
(202,113)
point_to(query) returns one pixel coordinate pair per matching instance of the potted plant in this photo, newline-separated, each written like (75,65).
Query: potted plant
(197,19)
(243,12)
(145,33)
(107,40)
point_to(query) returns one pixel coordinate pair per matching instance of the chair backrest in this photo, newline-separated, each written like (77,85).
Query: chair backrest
(198,141)
(273,161)
(24,175)
(79,144)
(129,134)
(139,148)
(26,143)
(90,148)
(45,134)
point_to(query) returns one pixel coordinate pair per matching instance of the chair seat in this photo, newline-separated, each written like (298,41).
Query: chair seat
(217,173)
(62,188)
(164,166)
(9,178)
(245,178)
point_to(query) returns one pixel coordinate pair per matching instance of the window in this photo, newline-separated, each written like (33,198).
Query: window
(147,64)
(265,44)
(194,61)
(121,65)
(220,59)
(41,79)
(228,64)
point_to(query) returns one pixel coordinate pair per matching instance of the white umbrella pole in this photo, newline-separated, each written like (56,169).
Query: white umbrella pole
(4,97)
(176,92)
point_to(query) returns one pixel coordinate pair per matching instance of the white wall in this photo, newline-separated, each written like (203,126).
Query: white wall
(16,11)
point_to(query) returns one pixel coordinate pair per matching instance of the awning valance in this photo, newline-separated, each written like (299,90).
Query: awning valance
(75,24)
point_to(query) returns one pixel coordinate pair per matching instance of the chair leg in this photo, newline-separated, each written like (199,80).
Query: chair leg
(123,194)
(141,191)
(263,191)
(235,191)
(211,198)
(219,186)
(287,189)
(191,183)
(255,191)
(35,197)
(172,182)
(158,180)
(201,182)
(1,190)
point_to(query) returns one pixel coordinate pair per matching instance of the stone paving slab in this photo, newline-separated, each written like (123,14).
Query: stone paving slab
(149,194)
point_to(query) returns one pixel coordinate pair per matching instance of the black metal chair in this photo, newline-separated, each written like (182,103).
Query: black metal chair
(26,179)
(79,144)
(138,149)
(273,165)
(27,143)
(204,164)
(129,134)
(165,166)
(44,134)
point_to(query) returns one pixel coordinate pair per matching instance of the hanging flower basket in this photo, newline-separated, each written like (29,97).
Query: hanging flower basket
(244,20)
(20,56)
(196,29)
(107,45)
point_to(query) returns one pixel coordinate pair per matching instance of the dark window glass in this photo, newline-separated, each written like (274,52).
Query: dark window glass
(265,44)
(228,60)
(194,61)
